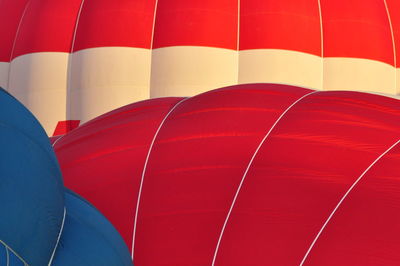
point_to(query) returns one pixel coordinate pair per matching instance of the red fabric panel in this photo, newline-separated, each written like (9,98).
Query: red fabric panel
(310,160)
(394,11)
(47,26)
(284,24)
(103,159)
(115,23)
(354,28)
(366,227)
(195,167)
(65,126)
(10,12)
(197,23)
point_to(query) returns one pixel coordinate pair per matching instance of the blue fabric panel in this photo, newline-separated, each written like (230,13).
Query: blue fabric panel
(31,189)
(88,238)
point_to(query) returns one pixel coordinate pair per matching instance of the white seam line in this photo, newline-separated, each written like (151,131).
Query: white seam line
(151,46)
(69,66)
(322,44)
(8,256)
(144,171)
(54,144)
(15,41)
(58,238)
(247,170)
(394,45)
(238,43)
(14,252)
(343,198)
(154,25)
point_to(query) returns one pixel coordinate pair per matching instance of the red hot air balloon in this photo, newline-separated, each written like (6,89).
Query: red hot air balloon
(256,174)
(76,59)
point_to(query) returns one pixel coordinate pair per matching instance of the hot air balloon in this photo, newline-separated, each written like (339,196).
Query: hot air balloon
(42,223)
(72,60)
(254,174)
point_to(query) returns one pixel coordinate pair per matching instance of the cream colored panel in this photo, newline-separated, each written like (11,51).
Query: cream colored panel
(189,70)
(398,81)
(280,66)
(38,80)
(358,75)
(4,74)
(102,79)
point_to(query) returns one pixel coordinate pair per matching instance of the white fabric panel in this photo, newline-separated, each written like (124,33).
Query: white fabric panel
(102,79)
(4,74)
(358,75)
(39,80)
(189,70)
(280,66)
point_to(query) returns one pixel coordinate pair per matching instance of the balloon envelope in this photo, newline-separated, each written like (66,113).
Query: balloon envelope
(256,174)
(42,224)
(95,56)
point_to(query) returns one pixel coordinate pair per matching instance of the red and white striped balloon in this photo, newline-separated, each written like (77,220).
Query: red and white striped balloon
(75,59)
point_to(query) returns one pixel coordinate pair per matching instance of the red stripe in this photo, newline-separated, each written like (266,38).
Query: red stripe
(47,26)
(394,11)
(359,29)
(284,24)
(198,23)
(10,13)
(115,23)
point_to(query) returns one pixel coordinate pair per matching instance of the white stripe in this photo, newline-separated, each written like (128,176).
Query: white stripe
(247,170)
(322,44)
(343,198)
(58,237)
(14,252)
(393,43)
(144,171)
(15,40)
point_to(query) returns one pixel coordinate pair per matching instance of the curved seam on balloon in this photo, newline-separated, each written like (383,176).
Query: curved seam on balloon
(15,41)
(393,43)
(58,237)
(322,43)
(14,252)
(8,256)
(343,198)
(247,170)
(144,170)
(69,67)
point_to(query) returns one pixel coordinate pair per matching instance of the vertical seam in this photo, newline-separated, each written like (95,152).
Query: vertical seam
(322,43)
(393,44)
(247,170)
(69,67)
(238,42)
(8,256)
(58,237)
(344,197)
(152,44)
(144,172)
(15,41)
